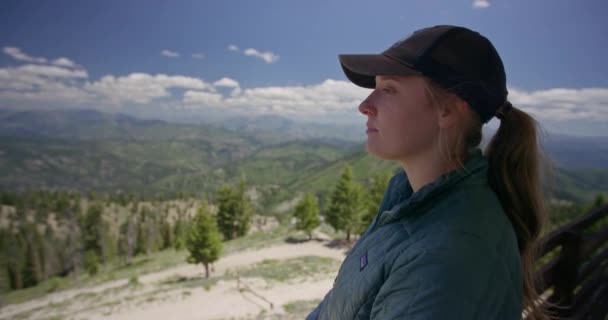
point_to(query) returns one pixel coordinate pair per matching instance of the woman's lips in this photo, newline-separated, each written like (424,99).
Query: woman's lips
(370,128)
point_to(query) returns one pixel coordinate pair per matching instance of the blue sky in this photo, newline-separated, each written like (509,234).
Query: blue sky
(211,58)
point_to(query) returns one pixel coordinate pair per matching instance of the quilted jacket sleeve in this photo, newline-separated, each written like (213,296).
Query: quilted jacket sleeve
(435,283)
(314,315)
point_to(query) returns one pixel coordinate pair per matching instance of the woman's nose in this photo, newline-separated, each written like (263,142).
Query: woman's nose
(367,107)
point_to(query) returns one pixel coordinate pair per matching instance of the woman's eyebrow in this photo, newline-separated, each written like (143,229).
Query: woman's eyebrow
(387,78)
(388,81)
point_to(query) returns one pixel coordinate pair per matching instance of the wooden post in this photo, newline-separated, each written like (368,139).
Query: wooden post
(567,271)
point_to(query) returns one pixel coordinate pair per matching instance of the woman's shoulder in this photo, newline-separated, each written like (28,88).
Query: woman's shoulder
(470,219)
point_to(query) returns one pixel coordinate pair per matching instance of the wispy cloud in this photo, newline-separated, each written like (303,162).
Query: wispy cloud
(169,53)
(198,56)
(268,57)
(38,85)
(481,4)
(211,99)
(64,62)
(229,83)
(561,104)
(328,97)
(50,71)
(141,88)
(226,82)
(17,54)
(42,85)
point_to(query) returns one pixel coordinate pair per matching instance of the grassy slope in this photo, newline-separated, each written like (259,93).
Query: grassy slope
(573,184)
(87,150)
(197,165)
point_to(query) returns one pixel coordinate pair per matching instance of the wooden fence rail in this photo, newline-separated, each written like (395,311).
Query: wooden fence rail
(575,280)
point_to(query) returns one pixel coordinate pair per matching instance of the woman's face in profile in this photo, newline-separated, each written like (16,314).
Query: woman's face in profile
(401,123)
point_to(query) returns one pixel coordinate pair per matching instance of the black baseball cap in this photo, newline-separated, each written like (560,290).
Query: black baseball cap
(456,58)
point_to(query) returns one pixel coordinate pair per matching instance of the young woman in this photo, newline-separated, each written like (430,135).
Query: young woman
(457,228)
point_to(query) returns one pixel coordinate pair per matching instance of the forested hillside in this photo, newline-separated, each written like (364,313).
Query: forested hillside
(83,193)
(92,151)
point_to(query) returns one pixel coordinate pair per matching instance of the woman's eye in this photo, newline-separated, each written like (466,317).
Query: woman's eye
(388,89)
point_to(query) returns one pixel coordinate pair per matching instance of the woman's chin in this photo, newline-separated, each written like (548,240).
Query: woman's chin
(373,150)
(380,153)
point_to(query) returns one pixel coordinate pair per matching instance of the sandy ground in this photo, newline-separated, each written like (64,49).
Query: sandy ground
(116,300)
(225,301)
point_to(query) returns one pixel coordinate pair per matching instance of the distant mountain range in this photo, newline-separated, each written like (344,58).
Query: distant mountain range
(89,150)
(275,128)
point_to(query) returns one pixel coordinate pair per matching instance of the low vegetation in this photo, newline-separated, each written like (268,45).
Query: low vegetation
(284,270)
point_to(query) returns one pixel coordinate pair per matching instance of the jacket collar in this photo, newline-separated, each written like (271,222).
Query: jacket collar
(476,165)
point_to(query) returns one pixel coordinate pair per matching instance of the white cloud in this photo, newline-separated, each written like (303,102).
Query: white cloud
(236,91)
(226,82)
(208,99)
(17,54)
(481,4)
(333,97)
(37,77)
(51,71)
(169,53)
(50,92)
(67,84)
(328,97)
(198,56)
(64,62)
(11,79)
(562,104)
(268,56)
(229,83)
(141,88)
(42,85)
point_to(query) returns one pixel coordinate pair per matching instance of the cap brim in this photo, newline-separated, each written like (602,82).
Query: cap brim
(362,69)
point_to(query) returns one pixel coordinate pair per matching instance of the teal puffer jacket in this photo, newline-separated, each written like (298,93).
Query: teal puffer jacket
(447,251)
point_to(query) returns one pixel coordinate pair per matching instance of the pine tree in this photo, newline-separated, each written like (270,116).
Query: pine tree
(204,240)
(598,201)
(307,214)
(91,227)
(245,210)
(346,204)
(141,244)
(167,234)
(91,262)
(107,243)
(73,250)
(33,273)
(234,211)
(129,237)
(374,198)
(179,233)
(50,253)
(16,262)
(155,236)
(5,280)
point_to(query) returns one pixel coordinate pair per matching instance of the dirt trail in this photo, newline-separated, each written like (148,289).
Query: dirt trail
(223,301)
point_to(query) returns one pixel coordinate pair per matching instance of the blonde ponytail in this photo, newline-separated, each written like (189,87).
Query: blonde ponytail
(514,174)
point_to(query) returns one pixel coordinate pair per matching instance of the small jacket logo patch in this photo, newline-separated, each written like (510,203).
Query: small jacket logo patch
(363,262)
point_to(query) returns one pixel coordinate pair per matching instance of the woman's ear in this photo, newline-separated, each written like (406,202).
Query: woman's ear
(450,113)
